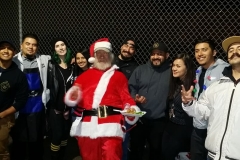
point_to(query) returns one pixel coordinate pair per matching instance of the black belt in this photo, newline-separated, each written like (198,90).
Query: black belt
(102,111)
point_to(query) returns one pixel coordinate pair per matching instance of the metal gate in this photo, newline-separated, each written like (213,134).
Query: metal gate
(177,23)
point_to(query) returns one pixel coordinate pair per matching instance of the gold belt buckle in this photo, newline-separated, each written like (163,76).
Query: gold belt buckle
(102,111)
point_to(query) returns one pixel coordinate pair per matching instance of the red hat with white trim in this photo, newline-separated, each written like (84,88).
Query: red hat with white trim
(100,44)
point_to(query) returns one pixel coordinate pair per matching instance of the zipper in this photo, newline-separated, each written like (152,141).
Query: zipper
(226,123)
(64,86)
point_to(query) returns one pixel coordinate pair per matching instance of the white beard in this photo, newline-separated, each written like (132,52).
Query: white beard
(101,65)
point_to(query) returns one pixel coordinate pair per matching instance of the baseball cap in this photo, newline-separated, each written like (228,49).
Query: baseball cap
(8,42)
(160,46)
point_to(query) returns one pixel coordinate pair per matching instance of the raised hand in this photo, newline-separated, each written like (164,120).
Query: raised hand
(73,96)
(187,95)
(140,99)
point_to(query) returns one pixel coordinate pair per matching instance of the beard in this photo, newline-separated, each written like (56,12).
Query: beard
(101,65)
(125,58)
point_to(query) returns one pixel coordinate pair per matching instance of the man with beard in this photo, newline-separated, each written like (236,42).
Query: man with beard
(125,60)
(100,93)
(219,105)
(149,85)
(209,71)
(126,64)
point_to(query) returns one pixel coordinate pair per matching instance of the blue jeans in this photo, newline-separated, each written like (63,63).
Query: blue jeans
(126,142)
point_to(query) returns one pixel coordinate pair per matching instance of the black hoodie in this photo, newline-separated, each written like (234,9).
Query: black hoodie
(13,88)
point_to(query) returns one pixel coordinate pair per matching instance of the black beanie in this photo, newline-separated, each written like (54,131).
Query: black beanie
(130,39)
(55,40)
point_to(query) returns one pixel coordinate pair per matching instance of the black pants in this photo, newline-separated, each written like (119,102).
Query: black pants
(27,136)
(198,150)
(150,131)
(176,138)
(32,150)
(60,129)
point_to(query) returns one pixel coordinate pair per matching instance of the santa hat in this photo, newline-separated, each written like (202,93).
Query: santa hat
(100,44)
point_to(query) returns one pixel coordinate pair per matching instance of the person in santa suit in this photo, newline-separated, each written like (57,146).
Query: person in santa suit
(100,93)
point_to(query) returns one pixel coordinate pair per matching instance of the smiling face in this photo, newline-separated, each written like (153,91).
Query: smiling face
(6,52)
(158,57)
(179,69)
(234,54)
(81,61)
(128,50)
(29,47)
(60,48)
(204,55)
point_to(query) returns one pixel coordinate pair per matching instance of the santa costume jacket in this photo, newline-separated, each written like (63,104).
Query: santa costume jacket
(99,88)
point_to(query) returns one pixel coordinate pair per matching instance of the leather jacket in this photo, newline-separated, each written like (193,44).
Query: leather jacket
(53,82)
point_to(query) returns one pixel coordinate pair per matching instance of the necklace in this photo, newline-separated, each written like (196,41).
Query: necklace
(172,107)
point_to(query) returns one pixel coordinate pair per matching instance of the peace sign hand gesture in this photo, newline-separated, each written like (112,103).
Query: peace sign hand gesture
(187,95)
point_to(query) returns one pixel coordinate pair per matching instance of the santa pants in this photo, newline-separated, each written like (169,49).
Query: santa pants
(102,148)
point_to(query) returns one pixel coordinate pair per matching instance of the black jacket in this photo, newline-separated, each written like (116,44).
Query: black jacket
(13,88)
(53,84)
(126,67)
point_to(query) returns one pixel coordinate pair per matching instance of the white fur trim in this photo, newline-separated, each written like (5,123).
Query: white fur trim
(102,86)
(75,127)
(93,129)
(132,122)
(91,60)
(103,44)
(67,98)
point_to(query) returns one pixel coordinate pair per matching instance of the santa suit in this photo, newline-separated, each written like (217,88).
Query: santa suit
(101,138)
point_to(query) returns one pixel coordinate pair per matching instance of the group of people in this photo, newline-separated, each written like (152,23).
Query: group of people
(84,94)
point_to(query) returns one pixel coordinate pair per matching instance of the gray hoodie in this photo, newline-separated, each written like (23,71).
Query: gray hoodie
(152,83)
(213,73)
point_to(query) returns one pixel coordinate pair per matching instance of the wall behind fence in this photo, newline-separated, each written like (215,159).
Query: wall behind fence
(177,23)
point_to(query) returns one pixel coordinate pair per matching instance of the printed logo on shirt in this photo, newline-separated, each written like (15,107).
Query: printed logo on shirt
(4,86)
(43,65)
(128,71)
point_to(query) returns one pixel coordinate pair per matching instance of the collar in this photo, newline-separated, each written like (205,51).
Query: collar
(28,59)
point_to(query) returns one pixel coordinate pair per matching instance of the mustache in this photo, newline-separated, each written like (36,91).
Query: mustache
(126,52)
(156,59)
(234,55)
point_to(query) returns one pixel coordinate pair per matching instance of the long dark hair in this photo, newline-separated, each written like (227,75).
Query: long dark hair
(188,79)
(86,55)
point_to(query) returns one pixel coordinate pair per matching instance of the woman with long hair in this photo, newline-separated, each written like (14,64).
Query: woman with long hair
(81,61)
(177,134)
(81,64)
(60,79)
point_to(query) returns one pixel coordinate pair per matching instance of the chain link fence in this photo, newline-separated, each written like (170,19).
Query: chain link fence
(176,23)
